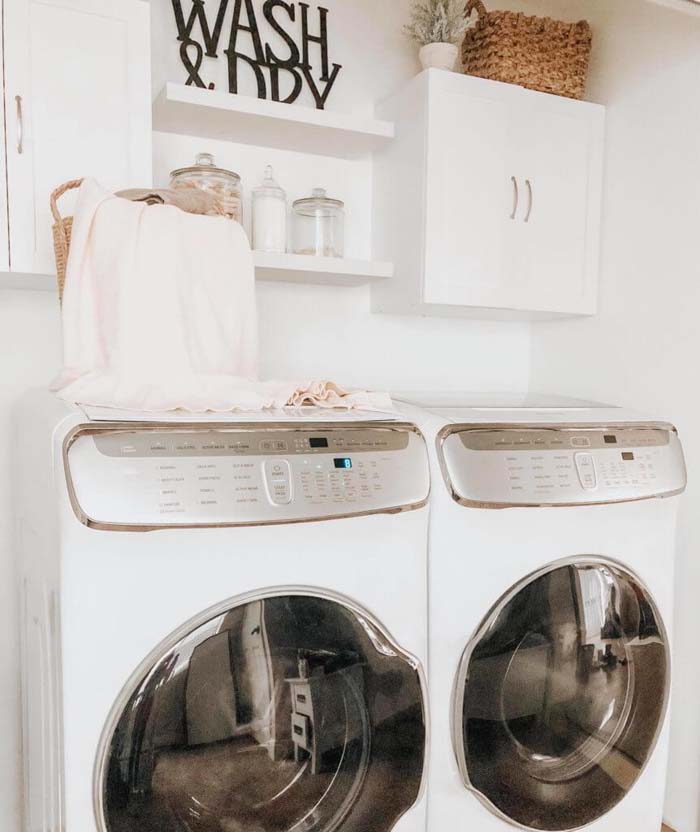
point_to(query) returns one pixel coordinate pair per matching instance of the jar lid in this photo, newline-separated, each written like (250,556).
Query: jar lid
(270,186)
(319,199)
(204,163)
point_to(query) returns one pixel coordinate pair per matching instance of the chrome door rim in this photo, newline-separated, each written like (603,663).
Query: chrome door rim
(461,677)
(366,619)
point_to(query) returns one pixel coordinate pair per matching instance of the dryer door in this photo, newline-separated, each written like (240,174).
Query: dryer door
(279,713)
(561,695)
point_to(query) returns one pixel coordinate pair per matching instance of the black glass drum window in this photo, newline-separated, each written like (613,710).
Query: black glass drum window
(564,692)
(285,713)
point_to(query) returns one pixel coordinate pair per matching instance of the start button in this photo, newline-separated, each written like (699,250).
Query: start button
(586,471)
(278,479)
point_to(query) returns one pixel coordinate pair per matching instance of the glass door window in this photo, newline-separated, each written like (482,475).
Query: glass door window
(283,713)
(562,694)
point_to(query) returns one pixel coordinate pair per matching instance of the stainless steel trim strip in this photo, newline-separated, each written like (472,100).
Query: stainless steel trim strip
(516,197)
(457,724)
(20,125)
(193,427)
(530,200)
(568,426)
(213,612)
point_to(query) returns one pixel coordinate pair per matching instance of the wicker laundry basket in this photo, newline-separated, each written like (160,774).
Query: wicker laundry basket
(62,229)
(534,52)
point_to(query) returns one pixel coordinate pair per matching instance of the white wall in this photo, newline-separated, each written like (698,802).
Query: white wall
(643,348)
(306,331)
(364,37)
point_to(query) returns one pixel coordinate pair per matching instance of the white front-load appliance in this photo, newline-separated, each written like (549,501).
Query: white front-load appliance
(224,621)
(550,575)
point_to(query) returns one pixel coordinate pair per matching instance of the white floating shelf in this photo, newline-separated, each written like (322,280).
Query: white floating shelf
(691,7)
(301,268)
(291,268)
(28,282)
(192,111)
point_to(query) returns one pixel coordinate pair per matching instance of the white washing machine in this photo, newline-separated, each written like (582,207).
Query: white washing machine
(209,643)
(551,575)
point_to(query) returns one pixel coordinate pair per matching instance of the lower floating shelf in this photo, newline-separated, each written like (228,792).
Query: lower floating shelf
(329,271)
(28,282)
(294,268)
(691,7)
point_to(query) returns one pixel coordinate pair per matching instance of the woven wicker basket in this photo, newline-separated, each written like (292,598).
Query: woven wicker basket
(534,52)
(62,229)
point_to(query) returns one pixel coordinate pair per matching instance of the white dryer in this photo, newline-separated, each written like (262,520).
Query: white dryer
(551,575)
(208,640)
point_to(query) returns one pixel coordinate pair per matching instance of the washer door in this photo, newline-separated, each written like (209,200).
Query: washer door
(561,695)
(290,712)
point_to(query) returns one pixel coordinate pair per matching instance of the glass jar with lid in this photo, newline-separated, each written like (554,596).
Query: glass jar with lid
(224,185)
(319,225)
(269,215)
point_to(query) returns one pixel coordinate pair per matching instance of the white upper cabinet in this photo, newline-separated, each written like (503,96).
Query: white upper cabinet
(489,199)
(4,231)
(78,103)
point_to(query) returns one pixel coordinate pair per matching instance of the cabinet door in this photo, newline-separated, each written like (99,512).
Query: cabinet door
(80,70)
(558,157)
(469,190)
(4,232)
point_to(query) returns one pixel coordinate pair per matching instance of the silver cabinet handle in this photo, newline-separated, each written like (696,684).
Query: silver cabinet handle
(530,199)
(516,197)
(20,125)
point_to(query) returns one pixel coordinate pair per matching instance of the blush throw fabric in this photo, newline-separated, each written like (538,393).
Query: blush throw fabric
(159,314)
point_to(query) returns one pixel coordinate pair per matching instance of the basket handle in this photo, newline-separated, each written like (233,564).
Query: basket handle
(475,5)
(58,193)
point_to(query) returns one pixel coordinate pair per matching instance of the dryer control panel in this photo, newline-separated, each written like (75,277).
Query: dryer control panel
(243,475)
(561,465)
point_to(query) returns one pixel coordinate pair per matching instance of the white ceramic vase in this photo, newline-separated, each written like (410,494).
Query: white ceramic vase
(439,56)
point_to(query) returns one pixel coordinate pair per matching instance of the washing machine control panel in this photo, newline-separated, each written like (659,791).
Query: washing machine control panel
(243,475)
(562,465)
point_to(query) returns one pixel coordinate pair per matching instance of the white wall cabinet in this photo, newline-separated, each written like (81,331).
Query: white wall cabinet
(4,230)
(77,103)
(489,200)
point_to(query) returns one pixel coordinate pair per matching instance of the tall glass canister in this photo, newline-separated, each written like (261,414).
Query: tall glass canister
(269,215)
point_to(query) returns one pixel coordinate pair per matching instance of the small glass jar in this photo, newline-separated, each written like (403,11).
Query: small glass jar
(319,225)
(223,185)
(269,215)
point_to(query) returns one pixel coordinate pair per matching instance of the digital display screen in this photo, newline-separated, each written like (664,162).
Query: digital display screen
(610,440)
(318,443)
(628,456)
(345,462)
